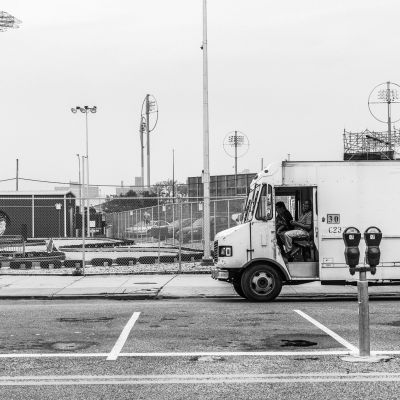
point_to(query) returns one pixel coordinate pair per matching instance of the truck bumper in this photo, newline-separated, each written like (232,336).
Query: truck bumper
(219,274)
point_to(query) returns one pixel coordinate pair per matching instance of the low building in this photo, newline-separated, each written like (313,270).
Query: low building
(39,214)
(93,192)
(221,185)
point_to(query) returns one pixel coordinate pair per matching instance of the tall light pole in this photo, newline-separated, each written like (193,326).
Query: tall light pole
(83,222)
(79,181)
(85,110)
(206,147)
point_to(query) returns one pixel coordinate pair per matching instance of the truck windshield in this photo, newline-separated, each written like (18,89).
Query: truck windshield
(251,203)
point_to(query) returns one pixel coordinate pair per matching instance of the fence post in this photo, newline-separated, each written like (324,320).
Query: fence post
(173,219)
(229,216)
(215,222)
(180,236)
(191,222)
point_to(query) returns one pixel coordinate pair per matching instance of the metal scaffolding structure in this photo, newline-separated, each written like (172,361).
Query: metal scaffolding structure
(371,145)
(7,21)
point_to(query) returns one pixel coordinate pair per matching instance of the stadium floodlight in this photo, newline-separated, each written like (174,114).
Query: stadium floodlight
(7,21)
(380,103)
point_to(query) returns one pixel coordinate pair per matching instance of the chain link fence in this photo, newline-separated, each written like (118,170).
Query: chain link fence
(122,234)
(172,223)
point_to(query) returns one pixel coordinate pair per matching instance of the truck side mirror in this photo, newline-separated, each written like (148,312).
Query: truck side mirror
(372,237)
(352,237)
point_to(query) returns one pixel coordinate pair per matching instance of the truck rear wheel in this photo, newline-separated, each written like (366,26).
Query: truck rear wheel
(261,283)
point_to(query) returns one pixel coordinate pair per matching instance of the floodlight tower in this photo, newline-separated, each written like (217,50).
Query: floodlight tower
(7,21)
(142,129)
(385,94)
(150,115)
(236,141)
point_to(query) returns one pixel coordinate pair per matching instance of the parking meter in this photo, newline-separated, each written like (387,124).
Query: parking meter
(372,237)
(352,237)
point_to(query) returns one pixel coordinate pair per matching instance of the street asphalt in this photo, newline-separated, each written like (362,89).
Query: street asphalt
(194,348)
(162,286)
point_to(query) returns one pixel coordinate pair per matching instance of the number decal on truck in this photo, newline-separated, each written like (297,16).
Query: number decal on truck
(333,219)
(335,229)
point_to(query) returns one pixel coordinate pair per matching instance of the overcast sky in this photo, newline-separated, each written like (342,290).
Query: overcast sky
(289,74)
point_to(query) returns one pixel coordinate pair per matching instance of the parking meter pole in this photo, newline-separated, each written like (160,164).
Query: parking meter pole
(363,316)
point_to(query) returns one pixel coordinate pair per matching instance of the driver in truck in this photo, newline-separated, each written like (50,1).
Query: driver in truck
(302,229)
(282,222)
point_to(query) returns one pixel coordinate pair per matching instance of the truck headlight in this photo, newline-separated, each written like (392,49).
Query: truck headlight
(225,251)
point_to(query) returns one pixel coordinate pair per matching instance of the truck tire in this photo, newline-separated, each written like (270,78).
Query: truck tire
(237,285)
(261,283)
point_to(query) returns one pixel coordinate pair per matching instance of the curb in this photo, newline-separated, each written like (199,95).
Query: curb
(155,296)
(110,273)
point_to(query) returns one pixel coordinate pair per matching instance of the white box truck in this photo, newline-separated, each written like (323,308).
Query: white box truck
(343,194)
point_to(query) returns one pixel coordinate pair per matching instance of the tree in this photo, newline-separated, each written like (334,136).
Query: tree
(170,188)
(130,201)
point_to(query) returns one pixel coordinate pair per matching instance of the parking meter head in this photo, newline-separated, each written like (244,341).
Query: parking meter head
(351,238)
(372,237)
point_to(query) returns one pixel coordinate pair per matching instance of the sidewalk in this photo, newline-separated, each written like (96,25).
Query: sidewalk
(160,287)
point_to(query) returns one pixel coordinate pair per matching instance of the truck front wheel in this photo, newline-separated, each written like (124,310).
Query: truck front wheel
(237,285)
(261,283)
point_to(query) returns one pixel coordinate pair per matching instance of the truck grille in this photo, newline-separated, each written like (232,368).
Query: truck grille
(216,251)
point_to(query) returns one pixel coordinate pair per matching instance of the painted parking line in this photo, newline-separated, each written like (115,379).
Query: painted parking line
(74,380)
(122,337)
(238,353)
(198,354)
(183,354)
(332,334)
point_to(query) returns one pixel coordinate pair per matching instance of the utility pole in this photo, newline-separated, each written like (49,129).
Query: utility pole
(149,106)
(207,260)
(236,157)
(148,139)
(142,128)
(173,173)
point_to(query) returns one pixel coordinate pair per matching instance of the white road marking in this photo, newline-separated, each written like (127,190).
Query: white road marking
(61,380)
(52,355)
(182,354)
(122,337)
(199,354)
(334,335)
(238,353)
